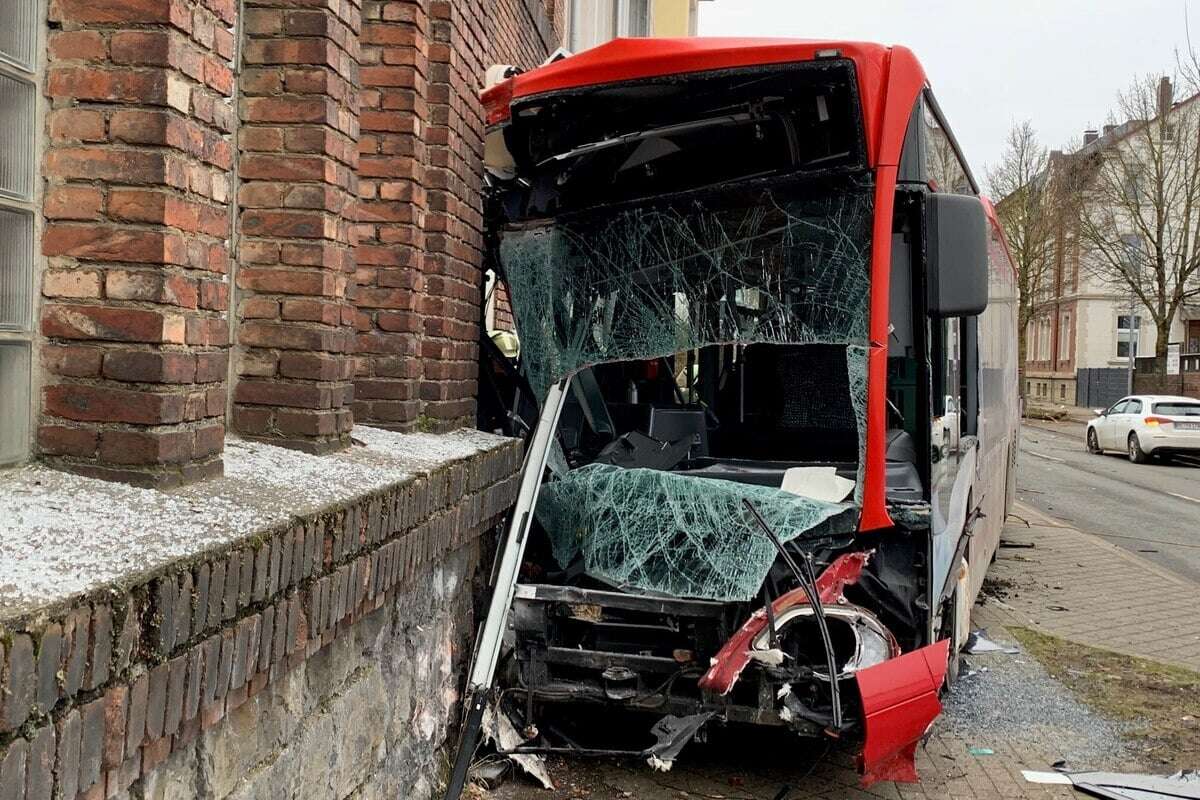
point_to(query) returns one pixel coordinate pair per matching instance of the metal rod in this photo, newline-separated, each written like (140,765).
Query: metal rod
(808,583)
(772,629)
(468,739)
(491,634)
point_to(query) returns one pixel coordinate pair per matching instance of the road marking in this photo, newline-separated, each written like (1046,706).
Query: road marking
(1059,460)
(1183,497)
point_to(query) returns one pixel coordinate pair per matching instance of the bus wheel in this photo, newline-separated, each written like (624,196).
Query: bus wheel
(1093,444)
(1136,454)
(956,623)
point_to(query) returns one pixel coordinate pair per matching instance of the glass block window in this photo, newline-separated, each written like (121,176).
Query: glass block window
(18,32)
(16,266)
(19,37)
(18,100)
(14,394)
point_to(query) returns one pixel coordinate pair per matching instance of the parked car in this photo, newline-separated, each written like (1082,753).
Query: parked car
(946,430)
(1147,425)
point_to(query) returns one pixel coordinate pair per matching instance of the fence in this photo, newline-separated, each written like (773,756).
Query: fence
(1098,387)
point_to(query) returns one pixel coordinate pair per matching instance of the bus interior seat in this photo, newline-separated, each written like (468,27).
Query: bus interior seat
(900,446)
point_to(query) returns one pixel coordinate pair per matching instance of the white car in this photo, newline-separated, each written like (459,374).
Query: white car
(1146,425)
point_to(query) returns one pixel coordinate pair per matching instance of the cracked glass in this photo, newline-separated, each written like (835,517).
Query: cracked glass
(677,534)
(782,265)
(785,266)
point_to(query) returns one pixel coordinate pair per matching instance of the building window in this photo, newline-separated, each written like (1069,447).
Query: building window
(1064,336)
(594,22)
(1133,185)
(1062,391)
(1041,339)
(18,176)
(1124,334)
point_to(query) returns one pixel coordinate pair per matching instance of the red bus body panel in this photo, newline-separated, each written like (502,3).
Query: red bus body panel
(900,702)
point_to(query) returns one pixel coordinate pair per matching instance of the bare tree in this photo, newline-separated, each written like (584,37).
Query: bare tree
(943,164)
(1139,203)
(1028,212)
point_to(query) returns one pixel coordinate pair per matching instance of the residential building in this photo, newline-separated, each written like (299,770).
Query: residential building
(593,22)
(1084,324)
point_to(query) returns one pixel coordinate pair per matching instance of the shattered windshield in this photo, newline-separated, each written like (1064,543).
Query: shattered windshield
(717,347)
(674,534)
(780,265)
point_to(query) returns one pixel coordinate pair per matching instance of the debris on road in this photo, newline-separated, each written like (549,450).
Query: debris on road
(1124,786)
(489,772)
(672,734)
(499,729)
(1047,413)
(978,642)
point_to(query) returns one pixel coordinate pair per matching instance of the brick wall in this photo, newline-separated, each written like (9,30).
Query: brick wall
(299,185)
(99,690)
(1149,381)
(137,217)
(354,207)
(421,213)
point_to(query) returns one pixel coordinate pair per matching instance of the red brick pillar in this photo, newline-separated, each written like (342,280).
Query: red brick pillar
(137,220)
(299,153)
(450,303)
(390,250)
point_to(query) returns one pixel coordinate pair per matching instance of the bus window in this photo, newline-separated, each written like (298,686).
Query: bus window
(944,167)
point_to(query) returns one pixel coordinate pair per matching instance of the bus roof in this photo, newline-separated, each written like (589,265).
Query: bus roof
(629,59)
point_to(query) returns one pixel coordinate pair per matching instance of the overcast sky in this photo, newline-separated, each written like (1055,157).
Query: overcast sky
(1058,63)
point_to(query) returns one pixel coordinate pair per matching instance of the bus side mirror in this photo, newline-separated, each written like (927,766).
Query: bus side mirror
(956,256)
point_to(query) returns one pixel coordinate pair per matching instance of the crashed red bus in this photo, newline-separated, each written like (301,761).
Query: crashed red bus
(767,380)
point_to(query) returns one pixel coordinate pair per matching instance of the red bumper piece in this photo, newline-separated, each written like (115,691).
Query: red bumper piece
(728,664)
(900,702)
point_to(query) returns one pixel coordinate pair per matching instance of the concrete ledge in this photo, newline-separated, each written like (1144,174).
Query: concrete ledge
(131,619)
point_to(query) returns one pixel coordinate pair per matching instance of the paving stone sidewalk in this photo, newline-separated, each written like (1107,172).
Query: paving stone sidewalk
(1079,587)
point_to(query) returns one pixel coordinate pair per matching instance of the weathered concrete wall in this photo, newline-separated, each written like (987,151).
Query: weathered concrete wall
(366,717)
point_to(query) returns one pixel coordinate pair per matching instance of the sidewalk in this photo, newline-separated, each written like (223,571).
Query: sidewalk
(1078,587)
(1070,413)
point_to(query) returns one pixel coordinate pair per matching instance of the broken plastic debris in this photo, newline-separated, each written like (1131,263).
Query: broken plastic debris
(978,642)
(772,657)
(818,483)
(1125,786)
(672,733)
(490,773)
(981,751)
(658,765)
(499,729)
(1034,776)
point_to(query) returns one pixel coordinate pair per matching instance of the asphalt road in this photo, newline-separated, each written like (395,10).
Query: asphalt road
(1151,509)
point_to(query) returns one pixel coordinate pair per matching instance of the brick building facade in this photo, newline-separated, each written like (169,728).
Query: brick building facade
(259,217)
